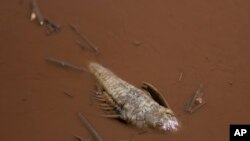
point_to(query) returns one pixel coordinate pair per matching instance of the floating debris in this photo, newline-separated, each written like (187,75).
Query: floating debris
(181,76)
(51,26)
(65,65)
(85,42)
(196,101)
(78,137)
(83,45)
(68,94)
(89,127)
(35,13)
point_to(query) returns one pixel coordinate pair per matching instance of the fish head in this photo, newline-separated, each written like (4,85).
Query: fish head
(163,120)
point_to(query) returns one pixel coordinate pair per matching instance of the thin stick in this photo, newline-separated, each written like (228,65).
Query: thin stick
(78,137)
(69,95)
(75,29)
(84,39)
(181,75)
(36,12)
(89,127)
(82,45)
(197,107)
(197,94)
(65,65)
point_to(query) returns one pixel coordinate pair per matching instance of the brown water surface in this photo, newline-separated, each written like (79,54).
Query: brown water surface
(153,41)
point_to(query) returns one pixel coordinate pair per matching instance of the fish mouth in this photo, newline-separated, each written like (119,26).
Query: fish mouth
(170,125)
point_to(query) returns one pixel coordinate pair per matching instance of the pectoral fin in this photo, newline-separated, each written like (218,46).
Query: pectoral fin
(155,94)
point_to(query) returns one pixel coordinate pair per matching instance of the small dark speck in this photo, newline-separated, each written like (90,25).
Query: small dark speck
(207,59)
(171,14)
(24,99)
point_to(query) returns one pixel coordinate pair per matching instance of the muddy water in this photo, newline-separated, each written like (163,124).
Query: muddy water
(140,41)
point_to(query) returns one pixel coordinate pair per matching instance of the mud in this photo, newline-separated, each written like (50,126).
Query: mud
(155,41)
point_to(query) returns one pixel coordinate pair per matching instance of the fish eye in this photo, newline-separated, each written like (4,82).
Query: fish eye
(158,124)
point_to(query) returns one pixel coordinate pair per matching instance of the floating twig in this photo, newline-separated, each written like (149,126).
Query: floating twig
(35,13)
(75,29)
(196,101)
(69,95)
(86,44)
(181,76)
(85,41)
(82,45)
(65,65)
(89,127)
(51,26)
(78,137)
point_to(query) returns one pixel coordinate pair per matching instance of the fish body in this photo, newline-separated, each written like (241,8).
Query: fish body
(134,105)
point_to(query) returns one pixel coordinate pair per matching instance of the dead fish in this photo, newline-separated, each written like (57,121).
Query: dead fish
(133,105)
